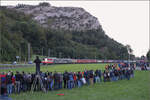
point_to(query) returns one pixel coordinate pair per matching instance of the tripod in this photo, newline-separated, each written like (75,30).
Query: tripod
(39,80)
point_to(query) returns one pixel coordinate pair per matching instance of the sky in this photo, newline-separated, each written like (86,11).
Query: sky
(125,21)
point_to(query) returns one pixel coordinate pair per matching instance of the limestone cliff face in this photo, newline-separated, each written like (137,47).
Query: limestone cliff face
(66,18)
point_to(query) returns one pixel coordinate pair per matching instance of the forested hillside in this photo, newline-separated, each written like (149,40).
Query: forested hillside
(18,29)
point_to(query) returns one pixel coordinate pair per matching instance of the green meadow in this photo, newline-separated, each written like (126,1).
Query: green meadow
(58,68)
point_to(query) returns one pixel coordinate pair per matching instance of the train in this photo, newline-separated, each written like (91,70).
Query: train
(79,61)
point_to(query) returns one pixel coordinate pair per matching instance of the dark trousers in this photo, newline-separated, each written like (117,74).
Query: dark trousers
(56,85)
(3,90)
(65,83)
(29,86)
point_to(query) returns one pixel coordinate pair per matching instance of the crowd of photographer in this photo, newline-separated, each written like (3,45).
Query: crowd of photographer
(22,82)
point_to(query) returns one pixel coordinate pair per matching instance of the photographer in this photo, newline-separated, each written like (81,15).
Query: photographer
(37,61)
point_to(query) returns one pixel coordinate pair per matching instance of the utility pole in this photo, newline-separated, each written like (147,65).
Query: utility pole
(20,54)
(48,52)
(95,55)
(1,28)
(149,39)
(60,54)
(42,51)
(129,59)
(28,52)
(0,46)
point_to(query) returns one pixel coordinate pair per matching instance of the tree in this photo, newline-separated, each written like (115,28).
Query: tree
(123,53)
(44,4)
(143,57)
(130,51)
(22,30)
(148,55)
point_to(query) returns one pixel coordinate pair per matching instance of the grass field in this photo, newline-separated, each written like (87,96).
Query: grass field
(59,68)
(138,88)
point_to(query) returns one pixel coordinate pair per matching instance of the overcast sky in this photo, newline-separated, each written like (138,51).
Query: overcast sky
(125,21)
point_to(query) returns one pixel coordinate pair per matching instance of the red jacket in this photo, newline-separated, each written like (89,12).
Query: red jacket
(74,77)
(13,80)
(3,79)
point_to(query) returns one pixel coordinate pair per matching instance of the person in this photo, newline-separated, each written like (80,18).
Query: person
(3,91)
(50,81)
(18,82)
(56,80)
(79,77)
(127,74)
(45,80)
(104,76)
(29,81)
(86,76)
(9,82)
(60,80)
(145,66)
(116,74)
(75,79)
(107,75)
(65,78)
(24,81)
(99,74)
(37,61)
(97,79)
(3,84)
(111,75)
(91,75)
(70,81)
(13,82)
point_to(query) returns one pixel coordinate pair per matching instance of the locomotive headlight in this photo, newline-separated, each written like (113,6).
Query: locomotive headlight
(45,59)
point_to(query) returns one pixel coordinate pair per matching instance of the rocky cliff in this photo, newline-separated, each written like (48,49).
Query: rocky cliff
(66,18)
